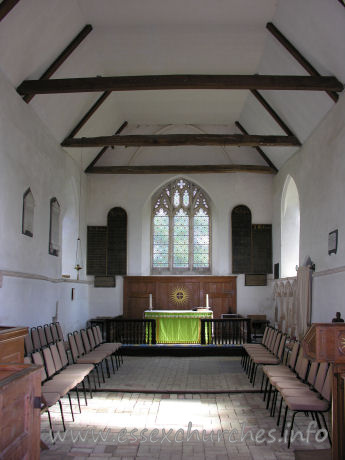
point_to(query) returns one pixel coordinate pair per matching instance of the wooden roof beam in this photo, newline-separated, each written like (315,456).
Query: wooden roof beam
(298,56)
(104,149)
(272,112)
(62,57)
(176,169)
(6,6)
(89,114)
(162,140)
(258,149)
(180,82)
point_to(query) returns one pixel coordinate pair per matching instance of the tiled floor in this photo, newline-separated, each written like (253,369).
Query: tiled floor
(158,374)
(128,426)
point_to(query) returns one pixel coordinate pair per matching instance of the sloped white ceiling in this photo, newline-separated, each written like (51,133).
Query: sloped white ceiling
(181,36)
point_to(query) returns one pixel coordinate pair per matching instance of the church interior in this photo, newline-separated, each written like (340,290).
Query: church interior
(172,188)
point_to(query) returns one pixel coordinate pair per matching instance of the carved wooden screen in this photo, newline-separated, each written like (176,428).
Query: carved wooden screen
(107,245)
(251,243)
(96,250)
(241,219)
(117,242)
(261,248)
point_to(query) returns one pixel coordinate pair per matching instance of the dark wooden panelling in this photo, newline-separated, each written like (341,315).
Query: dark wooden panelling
(262,248)
(117,242)
(96,250)
(221,291)
(241,224)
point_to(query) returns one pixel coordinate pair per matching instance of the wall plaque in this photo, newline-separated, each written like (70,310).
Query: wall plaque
(105,281)
(255,279)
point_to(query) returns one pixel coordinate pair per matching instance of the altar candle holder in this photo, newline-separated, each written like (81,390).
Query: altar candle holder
(150,301)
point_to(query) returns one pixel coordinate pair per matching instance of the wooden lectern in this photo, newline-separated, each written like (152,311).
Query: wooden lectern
(326,342)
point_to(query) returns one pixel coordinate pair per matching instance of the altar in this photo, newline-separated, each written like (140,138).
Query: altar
(178,326)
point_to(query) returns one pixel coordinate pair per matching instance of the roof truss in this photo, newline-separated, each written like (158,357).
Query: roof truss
(163,140)
(169,82)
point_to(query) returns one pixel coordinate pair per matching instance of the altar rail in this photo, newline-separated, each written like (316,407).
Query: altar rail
(234,331)
(132,331)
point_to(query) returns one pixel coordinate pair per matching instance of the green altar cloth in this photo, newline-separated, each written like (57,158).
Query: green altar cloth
(178,326)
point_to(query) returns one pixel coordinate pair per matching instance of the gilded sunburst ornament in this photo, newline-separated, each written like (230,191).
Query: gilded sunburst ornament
(179,295)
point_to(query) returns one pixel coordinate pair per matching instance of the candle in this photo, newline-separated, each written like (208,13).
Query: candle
(150,301)
(207,305)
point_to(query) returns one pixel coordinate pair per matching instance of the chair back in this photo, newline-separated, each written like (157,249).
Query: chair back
(59,330)
(56,357)
(48,334)
(265,335)
(85,340)
(73,347)
(96,335)
(42,336)
(79,342)
(91,338)
(54,332)
(99,334)
(48,359)
(277,343)
(293,356)
(302,372)
(38,360)
(272,339)
(35,339)
(62,352)
(281,348)
(326,391)
(312,372)
(29,346)
(320,378)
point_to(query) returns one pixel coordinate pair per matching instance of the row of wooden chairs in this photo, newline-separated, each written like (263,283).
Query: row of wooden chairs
(302,385)
(42,336)
(306,387)
(45,346)
(269,351)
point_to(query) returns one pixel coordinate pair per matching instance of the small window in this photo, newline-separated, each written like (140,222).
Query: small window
(54,231)
(28,213)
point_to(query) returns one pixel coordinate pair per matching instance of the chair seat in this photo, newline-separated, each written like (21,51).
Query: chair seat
(49,399)
(297,392)
(266,360)
(272,371)
(307,403)
(61,387)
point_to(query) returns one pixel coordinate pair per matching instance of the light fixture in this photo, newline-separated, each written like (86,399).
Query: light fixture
(79,255)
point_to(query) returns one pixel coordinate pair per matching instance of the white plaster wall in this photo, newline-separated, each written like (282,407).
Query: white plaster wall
(30,157)
(134,192)
(319,172)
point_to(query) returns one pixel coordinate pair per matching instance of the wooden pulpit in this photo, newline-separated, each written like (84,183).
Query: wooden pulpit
(325,342)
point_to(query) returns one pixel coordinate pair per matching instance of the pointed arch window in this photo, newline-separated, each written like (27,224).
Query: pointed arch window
(290,228)
(54,230)
(28,213)
(181,228)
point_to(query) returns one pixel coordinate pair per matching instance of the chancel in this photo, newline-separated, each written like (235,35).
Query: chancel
(172,179)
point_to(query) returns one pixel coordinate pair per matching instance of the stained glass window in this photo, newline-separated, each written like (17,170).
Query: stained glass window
(181,228)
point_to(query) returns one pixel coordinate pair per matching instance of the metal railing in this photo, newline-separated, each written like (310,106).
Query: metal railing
(234,331)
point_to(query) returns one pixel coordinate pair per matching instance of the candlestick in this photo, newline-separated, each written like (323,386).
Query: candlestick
(150,301)
(207,304)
